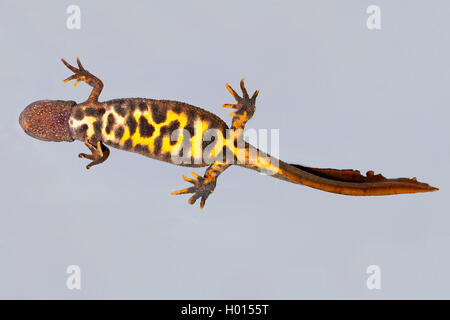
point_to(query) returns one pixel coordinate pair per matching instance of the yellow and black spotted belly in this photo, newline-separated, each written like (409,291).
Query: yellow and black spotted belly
(158,129)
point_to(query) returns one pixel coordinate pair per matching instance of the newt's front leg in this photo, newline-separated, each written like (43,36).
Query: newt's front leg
(203,186)
(99,153)
(82,74)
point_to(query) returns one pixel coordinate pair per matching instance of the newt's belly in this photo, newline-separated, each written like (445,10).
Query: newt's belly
(165,130)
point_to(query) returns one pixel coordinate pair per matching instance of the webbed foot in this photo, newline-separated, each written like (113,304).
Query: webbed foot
(82,74)
(245,106)
(99,153)
(202,189)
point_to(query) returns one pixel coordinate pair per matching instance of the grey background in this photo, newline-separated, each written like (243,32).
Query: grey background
(342,96)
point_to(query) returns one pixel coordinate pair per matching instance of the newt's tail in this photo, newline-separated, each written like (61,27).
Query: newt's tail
(351,182)
(345,181)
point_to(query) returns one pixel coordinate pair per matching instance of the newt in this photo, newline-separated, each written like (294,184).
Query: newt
(167,130)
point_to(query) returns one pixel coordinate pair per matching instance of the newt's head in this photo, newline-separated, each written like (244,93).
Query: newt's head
(47,120)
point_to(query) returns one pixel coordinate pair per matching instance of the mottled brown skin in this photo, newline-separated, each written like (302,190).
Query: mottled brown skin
(47,120)
(163,130)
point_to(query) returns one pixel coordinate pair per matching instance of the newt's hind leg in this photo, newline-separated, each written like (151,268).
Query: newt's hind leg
(203,186)
(82,74)
(99,153)
(245,106)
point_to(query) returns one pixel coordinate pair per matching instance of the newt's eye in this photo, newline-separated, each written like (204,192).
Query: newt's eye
(47,120)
